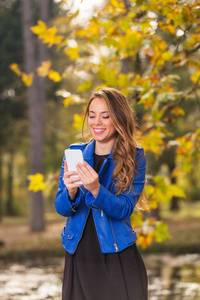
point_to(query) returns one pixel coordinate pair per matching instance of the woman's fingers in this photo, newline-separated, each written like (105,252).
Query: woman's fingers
(70,177)
(86,169)
(85,173)
(89,177)
(65,166)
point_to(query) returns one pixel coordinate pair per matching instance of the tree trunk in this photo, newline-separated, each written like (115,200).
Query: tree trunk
(1,206)
(126,4)
(44,16)
(9,203)
(36,100)
(125,66)
(174,206)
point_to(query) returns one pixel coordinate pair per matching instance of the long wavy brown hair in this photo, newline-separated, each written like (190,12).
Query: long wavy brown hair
(124,151)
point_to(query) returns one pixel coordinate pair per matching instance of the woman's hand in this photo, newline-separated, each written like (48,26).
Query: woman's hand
(72,187)
(89,177)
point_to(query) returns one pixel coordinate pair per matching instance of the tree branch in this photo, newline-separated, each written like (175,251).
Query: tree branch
(168,107)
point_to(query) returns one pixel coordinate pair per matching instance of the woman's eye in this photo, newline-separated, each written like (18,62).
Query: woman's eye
(106,117)
(91,117)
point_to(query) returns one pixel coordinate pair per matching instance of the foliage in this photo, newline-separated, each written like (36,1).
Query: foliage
(36,182)
(150,51)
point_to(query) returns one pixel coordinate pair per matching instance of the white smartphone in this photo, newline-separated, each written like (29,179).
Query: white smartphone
(73,156)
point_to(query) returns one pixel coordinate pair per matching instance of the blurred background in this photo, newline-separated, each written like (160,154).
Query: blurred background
(53,54)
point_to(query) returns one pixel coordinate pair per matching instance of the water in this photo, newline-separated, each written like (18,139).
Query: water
(170,278)
(173,278)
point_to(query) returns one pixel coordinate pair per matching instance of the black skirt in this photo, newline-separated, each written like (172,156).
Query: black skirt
(91,275)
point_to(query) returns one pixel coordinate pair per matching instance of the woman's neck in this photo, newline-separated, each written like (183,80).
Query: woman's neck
(103,149)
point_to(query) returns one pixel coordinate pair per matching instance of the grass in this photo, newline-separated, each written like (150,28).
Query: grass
(18,242)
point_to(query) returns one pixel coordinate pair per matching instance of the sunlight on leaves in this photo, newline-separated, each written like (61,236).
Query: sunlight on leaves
(15,68)
(67,101)
(55,76)
(144,239)
(196,76)
(36,182)
(178,111)
(48,35)
(136,219)
(44,68)
(73,53)
(161,232)
(85,86)
(153,142)
(78,121)
(27,79)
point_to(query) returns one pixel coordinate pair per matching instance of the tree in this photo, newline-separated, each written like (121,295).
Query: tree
(36,100)
(12,109)
(160,40)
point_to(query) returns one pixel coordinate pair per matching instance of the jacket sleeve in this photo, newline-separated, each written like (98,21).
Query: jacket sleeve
(122,205)
(63,205)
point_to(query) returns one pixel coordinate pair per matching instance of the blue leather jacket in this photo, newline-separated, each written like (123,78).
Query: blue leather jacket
(111,213)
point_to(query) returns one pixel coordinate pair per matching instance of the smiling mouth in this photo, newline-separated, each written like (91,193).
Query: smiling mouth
(98,131)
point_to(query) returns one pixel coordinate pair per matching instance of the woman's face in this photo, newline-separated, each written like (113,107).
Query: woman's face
(99,121)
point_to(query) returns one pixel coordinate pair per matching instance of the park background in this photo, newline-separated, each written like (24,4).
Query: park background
(53,55)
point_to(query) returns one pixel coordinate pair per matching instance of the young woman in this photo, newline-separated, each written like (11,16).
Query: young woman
(101,259)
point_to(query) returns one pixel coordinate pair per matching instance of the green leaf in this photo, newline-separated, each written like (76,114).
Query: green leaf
(176,191)
(85,86)
(161,232)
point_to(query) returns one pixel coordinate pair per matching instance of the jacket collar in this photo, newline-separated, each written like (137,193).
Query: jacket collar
(89,150)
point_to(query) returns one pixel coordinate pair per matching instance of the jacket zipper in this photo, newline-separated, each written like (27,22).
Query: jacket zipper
(82,231)
(73,207)
(98,209)
(115,243)
(82,190)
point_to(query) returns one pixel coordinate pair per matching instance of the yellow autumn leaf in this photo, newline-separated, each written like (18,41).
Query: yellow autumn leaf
(85,86)
(27,78)
(153,203)
(73,53)
(36,182)
(78,121)
(57,39)
(185,145)
(55,76)
(136,219)
(175,190)
(48,35)
(67,101)
(15,68)
(44,68)
(39,29)
(144,240)
(117,4)
(196,76)
(93,29)
(153,141)
(177,111)
(82,33)
(161,232)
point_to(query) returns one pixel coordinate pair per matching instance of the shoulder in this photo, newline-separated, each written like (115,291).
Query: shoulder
(78,145)
(139,151)
(140,156)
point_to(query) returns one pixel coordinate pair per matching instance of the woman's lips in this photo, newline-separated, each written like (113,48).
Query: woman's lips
(98,130)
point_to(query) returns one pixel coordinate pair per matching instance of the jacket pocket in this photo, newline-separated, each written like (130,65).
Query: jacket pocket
(131,237)
(67,233)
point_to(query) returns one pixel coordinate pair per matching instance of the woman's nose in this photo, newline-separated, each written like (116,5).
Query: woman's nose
(97,121)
